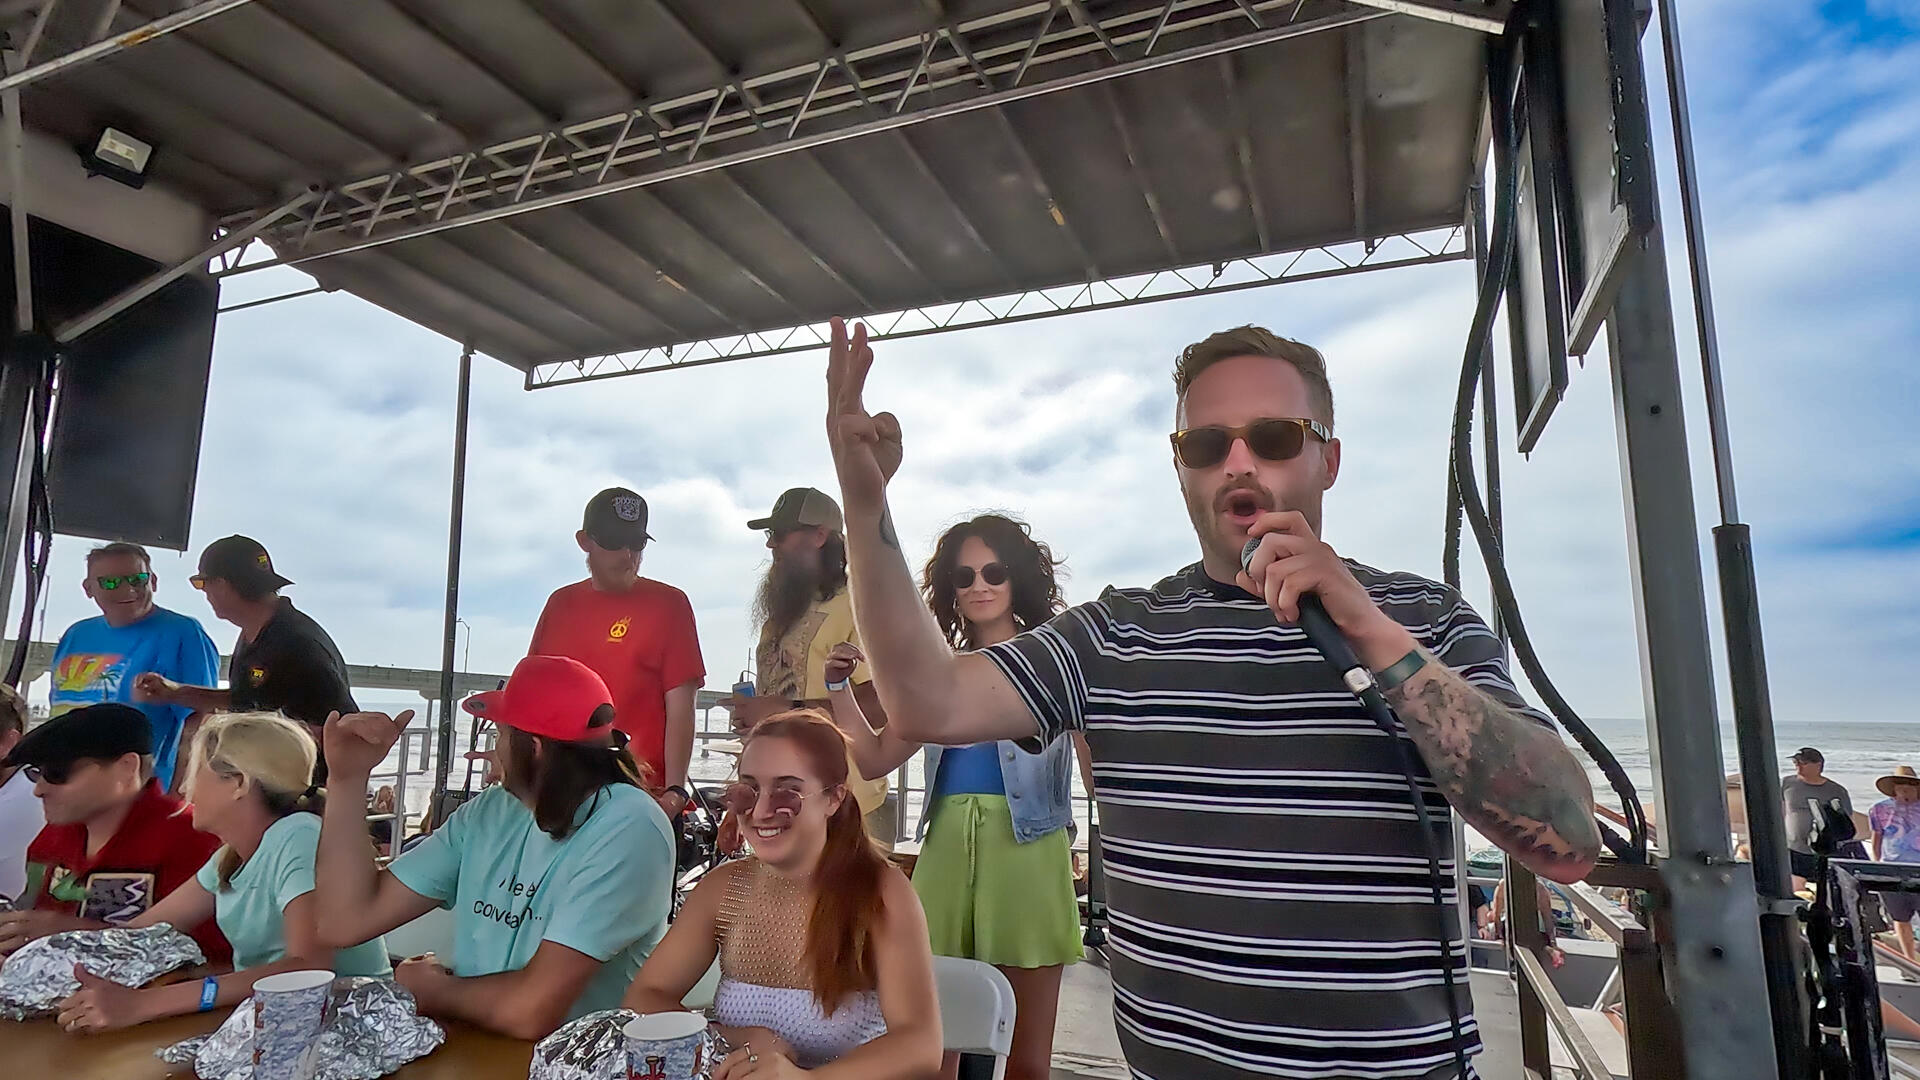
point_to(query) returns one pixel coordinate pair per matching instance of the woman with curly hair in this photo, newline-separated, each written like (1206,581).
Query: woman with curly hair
(995,872)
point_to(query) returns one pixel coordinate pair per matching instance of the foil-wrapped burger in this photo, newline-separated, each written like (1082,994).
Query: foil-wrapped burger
(374,1029)
(594,1047)
(40,975)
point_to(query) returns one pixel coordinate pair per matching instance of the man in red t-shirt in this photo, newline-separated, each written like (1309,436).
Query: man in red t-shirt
(114,842)
(637,635)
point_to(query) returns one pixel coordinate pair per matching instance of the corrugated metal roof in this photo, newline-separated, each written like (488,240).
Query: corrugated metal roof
(778,161)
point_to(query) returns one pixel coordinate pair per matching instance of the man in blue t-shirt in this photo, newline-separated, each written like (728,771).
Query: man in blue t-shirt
(559,878)
(98,659)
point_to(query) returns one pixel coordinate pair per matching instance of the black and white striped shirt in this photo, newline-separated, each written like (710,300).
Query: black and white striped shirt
(1272,913)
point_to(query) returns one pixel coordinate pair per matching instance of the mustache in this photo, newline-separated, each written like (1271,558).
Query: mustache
(1261,496)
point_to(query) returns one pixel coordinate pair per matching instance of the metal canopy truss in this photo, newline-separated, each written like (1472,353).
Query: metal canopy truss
(1312,264)
(87,31)
(552,180)
(957,68)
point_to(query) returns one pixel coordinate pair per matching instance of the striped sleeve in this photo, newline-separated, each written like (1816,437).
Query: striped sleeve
(1047,666)
(1464,642)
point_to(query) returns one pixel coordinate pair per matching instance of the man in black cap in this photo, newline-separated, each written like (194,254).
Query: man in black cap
(283,660)
(114,842)
(638,635)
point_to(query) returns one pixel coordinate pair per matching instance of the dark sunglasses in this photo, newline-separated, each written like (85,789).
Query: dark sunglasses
(52,774)
(139,580)
(994,573)
(741,797)
(1279,439)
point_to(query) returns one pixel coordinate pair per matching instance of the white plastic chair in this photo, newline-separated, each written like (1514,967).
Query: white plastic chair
(976,1011)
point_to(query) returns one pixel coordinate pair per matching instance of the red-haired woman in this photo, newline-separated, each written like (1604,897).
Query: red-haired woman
(996,871)
(824,962)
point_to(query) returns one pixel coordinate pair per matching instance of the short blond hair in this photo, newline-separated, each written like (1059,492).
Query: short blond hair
(1257,341)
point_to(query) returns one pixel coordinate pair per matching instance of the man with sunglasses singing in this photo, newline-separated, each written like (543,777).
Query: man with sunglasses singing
(99,659)
(1269,887)
(283,661)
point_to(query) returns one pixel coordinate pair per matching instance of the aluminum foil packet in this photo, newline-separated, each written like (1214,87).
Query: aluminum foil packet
(594,1047)
(36,978)
(374,1030)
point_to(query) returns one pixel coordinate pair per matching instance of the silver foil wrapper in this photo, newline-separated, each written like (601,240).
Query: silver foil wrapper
(595,1048)
(38,976)
(374,1030)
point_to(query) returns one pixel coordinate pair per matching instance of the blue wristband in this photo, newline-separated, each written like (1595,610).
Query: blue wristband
(209,990)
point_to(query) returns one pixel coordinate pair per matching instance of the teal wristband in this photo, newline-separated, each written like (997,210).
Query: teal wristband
(209,990)
(1401,670)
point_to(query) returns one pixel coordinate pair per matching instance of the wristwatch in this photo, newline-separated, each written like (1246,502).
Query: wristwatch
(834,687)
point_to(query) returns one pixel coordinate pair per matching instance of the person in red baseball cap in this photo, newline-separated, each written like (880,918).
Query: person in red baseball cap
(560,877)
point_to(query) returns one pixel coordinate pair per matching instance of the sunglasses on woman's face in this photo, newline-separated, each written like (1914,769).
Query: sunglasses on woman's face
(741,797)
(993,574)
(139,581)
(1279,439)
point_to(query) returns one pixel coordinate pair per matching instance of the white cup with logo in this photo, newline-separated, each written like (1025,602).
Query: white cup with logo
(666,1046)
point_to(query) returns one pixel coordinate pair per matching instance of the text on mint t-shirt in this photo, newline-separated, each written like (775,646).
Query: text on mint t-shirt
(604,891)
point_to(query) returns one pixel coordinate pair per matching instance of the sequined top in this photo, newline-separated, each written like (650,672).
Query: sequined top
(761,930)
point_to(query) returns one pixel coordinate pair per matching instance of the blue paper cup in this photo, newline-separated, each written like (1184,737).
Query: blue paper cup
(289,1011)
(666,1046)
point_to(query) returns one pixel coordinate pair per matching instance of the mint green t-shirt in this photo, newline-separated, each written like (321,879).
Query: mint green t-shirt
(604,891)
(249,908)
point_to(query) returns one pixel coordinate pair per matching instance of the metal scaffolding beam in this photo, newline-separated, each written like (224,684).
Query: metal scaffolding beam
(103,47)
(1309,264)
(743,119)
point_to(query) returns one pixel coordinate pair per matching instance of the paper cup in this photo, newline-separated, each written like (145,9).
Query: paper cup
(666,1046)
(289,1011)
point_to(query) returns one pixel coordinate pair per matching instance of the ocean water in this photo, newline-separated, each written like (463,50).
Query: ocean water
(1857,752)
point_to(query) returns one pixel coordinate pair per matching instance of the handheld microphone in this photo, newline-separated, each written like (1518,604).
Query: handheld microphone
(1322,632)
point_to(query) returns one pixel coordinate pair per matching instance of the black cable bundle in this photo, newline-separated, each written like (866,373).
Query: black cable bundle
(1463,495)
(38,541)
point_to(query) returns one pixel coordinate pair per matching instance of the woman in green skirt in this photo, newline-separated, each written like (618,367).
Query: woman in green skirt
(995,872)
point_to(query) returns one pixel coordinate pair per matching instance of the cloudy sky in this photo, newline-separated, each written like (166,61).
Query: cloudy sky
(329,423)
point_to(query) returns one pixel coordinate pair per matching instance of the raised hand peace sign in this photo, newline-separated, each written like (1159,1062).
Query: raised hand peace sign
(866,448)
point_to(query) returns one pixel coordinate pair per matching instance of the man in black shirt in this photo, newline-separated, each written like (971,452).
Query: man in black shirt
(283,660)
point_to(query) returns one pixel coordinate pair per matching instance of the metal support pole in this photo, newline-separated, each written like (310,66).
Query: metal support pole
(16,149)
(19,374)
(1780,939)
(1717,979)
(443,758)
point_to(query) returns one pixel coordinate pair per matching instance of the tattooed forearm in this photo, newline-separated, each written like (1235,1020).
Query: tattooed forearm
(1513,780)
(887,535)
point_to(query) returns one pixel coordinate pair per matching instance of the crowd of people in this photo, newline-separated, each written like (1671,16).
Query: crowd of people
(1268,879)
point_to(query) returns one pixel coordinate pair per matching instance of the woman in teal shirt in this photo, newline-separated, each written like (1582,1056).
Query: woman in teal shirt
(248,781)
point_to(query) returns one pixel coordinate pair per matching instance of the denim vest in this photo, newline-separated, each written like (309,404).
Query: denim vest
(1039,788)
